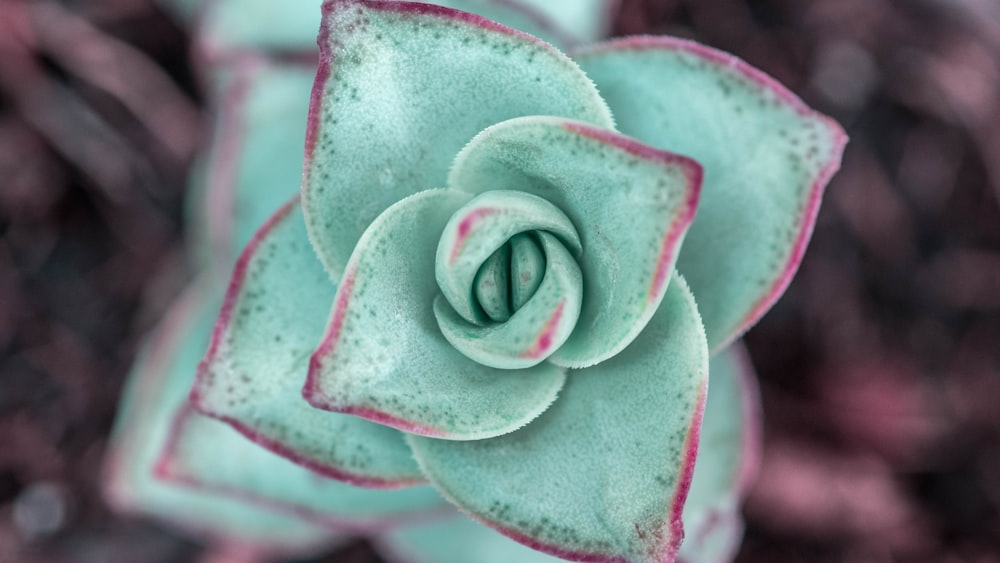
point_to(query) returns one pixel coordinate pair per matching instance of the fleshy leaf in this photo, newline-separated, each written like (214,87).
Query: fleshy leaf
(767,159)
(602,475)
(401,88)
(383,356)
(230,26)
(728,459)
(630,203)
(271,320)
(455,540)
(156,390)
(473,269)
(481,227)
(532,332)
(255,155)
(586,20)
(206,454)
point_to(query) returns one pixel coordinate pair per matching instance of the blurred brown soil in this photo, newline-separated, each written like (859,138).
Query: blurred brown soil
(880,368)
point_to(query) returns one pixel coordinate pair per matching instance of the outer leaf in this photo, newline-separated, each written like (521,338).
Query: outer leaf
(630,203)
(255,155)
(728,459)
(206,454)
(455,540)
(535,330)
(602,475)
(156,390)
(586,20)
(229,26)
(400,89)
(383,356)
(767,159)
(252,376)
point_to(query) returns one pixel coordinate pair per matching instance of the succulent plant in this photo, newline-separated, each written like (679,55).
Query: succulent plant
(502,284)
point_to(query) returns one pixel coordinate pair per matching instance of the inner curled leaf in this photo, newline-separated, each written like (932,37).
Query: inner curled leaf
(509,277)
(511,289)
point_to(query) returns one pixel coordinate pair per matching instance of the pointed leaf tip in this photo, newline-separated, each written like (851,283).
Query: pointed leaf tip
(401,88)
(767,159)
(252,375)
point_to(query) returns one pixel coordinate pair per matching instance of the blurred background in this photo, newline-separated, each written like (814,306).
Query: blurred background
(880,368)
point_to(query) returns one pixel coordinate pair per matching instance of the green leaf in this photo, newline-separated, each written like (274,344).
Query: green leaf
(401,88)
(473,269)
(156,390)
(206,454)
(455,540)
(603,473)
(767,158)
(252,376)
(255,158)
(585,20)
(383,356)
(229,26)
(630,203)
(728,459)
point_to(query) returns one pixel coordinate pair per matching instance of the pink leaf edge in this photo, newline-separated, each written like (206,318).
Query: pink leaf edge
(327,60)
(694,174)
(313,393)
(203,377)
(662,548)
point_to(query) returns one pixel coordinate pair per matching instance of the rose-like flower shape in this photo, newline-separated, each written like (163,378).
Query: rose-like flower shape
(495,240)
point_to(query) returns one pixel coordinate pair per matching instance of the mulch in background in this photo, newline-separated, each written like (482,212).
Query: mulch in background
(880,368)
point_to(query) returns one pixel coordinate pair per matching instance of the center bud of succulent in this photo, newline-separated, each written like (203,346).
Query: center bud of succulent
(511,289)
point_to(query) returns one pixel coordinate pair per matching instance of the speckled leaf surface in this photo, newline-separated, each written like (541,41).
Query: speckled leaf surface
(455,540)
(401,88)
(206,454)
(383,356)
(603,473)
(728,460)
(767,158)
(290,25)
(630,203)
(272,318)
(156,390)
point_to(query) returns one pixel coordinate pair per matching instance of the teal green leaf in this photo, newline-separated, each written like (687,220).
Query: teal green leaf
(252,376)
(630,203)
(255,156)
(479,229)
(156,390)
(455,540)
(532,332)
(206,454)
(474,270)
(401,88)
(602,475)
(767,159)
(230,26)
(728,460)
(383,356)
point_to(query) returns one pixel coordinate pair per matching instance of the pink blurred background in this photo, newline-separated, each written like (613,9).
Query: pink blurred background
(880,368)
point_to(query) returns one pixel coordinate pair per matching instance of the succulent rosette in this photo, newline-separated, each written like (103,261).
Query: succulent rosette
(503,282)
